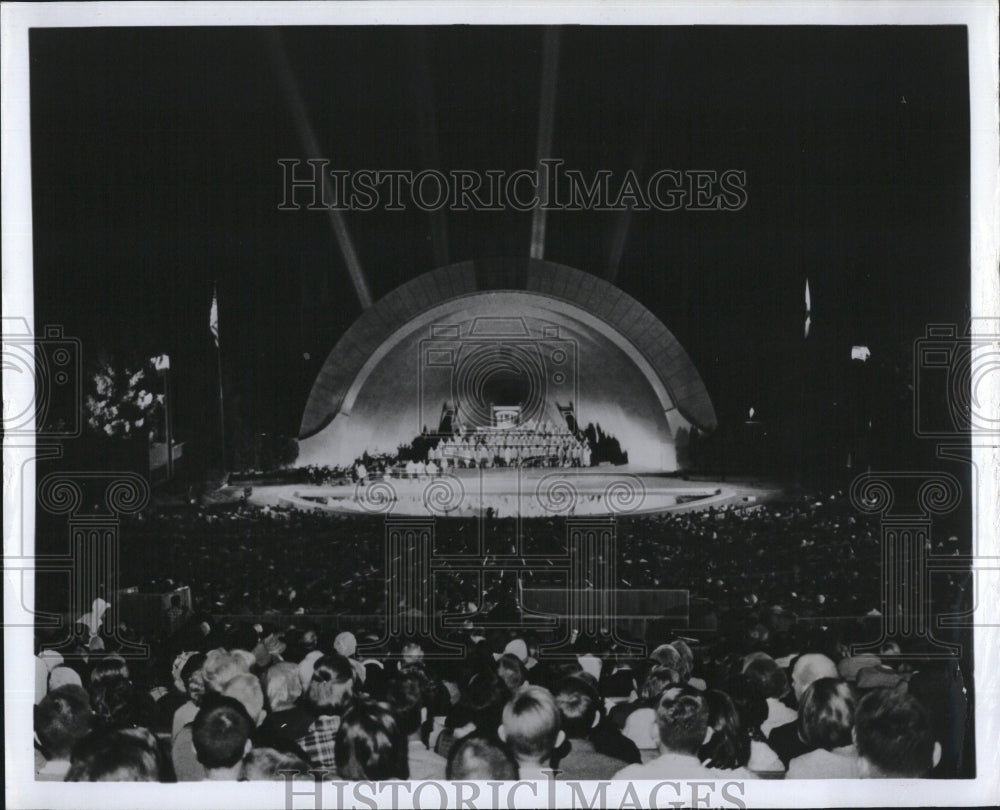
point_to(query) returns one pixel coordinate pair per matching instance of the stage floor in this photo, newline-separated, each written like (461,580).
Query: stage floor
(525,493)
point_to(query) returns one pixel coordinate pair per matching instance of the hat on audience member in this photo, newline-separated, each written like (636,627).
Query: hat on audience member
(346,644)
(306,667)
(64,676)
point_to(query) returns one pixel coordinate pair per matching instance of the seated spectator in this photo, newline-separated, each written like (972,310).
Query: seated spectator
(728,747)
(530,729)
(190,677)
(329,691)
(479,709)
(286,721)
(681,727)
(117,755)
(221,736)
(892,731)
(770,679)
(579,716)
(370,744)
(268,765)
(62,718)
(409,697)
(479,758)
(752,710)
(653,685)
(785,739)
(826,723)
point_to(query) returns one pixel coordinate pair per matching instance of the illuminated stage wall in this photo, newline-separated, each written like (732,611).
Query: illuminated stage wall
(479,334)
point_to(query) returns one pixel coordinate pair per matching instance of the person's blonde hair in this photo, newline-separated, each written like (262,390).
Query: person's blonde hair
(282,685)
(531,722)
(246,689)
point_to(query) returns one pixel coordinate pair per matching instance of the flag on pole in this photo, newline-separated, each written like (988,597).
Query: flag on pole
(808,309)
(161,362)
(860,353)
(213,318)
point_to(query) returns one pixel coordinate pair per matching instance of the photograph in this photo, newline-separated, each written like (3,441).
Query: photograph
(416,405)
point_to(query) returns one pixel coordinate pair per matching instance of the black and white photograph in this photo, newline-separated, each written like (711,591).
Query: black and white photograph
(418,405)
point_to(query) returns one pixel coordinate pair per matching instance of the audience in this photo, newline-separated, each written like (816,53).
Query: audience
(261,678)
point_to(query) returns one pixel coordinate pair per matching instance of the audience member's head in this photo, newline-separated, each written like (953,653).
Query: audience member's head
(370,745)
(729,745)
(658,679)
(282,686)
(221,666)
(478,758)
(192,676)
(221,735)
(268,765)
(511,671)
(682,720)
(893,734)
(767,675)
(808,668)
(247,690)
(108,668)
(751,706)
(480,704)
(826,714)
(409,694)
(332,684)
(579,708)
(62,718)
(530,726)
(64,676)
(123,755)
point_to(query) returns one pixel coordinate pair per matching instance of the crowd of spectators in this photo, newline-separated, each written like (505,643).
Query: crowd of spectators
(254,679)
(301,702)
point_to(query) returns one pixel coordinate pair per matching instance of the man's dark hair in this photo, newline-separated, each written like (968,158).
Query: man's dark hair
(370,745)
(124,755)
(578,707)
(477,757)
(62,718)
(409,693)
(893,732)
(220,731)
(682,719)
(769,677)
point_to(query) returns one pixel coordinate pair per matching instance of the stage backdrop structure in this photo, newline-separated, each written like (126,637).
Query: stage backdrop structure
(494,345)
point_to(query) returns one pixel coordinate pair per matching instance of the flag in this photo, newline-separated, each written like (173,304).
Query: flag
(808,309)
(213,319)
(860,353)
(161,362)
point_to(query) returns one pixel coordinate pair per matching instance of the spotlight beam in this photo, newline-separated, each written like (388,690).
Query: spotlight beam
(427,140)
(546,116)
(310,145)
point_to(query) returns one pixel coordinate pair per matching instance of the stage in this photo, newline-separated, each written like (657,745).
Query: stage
(510,492)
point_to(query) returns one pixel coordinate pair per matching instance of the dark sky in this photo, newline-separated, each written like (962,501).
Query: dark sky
(155,174)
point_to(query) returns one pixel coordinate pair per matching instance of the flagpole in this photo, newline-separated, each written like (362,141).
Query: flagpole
(214,326)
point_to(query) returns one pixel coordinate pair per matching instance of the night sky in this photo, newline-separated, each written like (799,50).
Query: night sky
(155,174)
